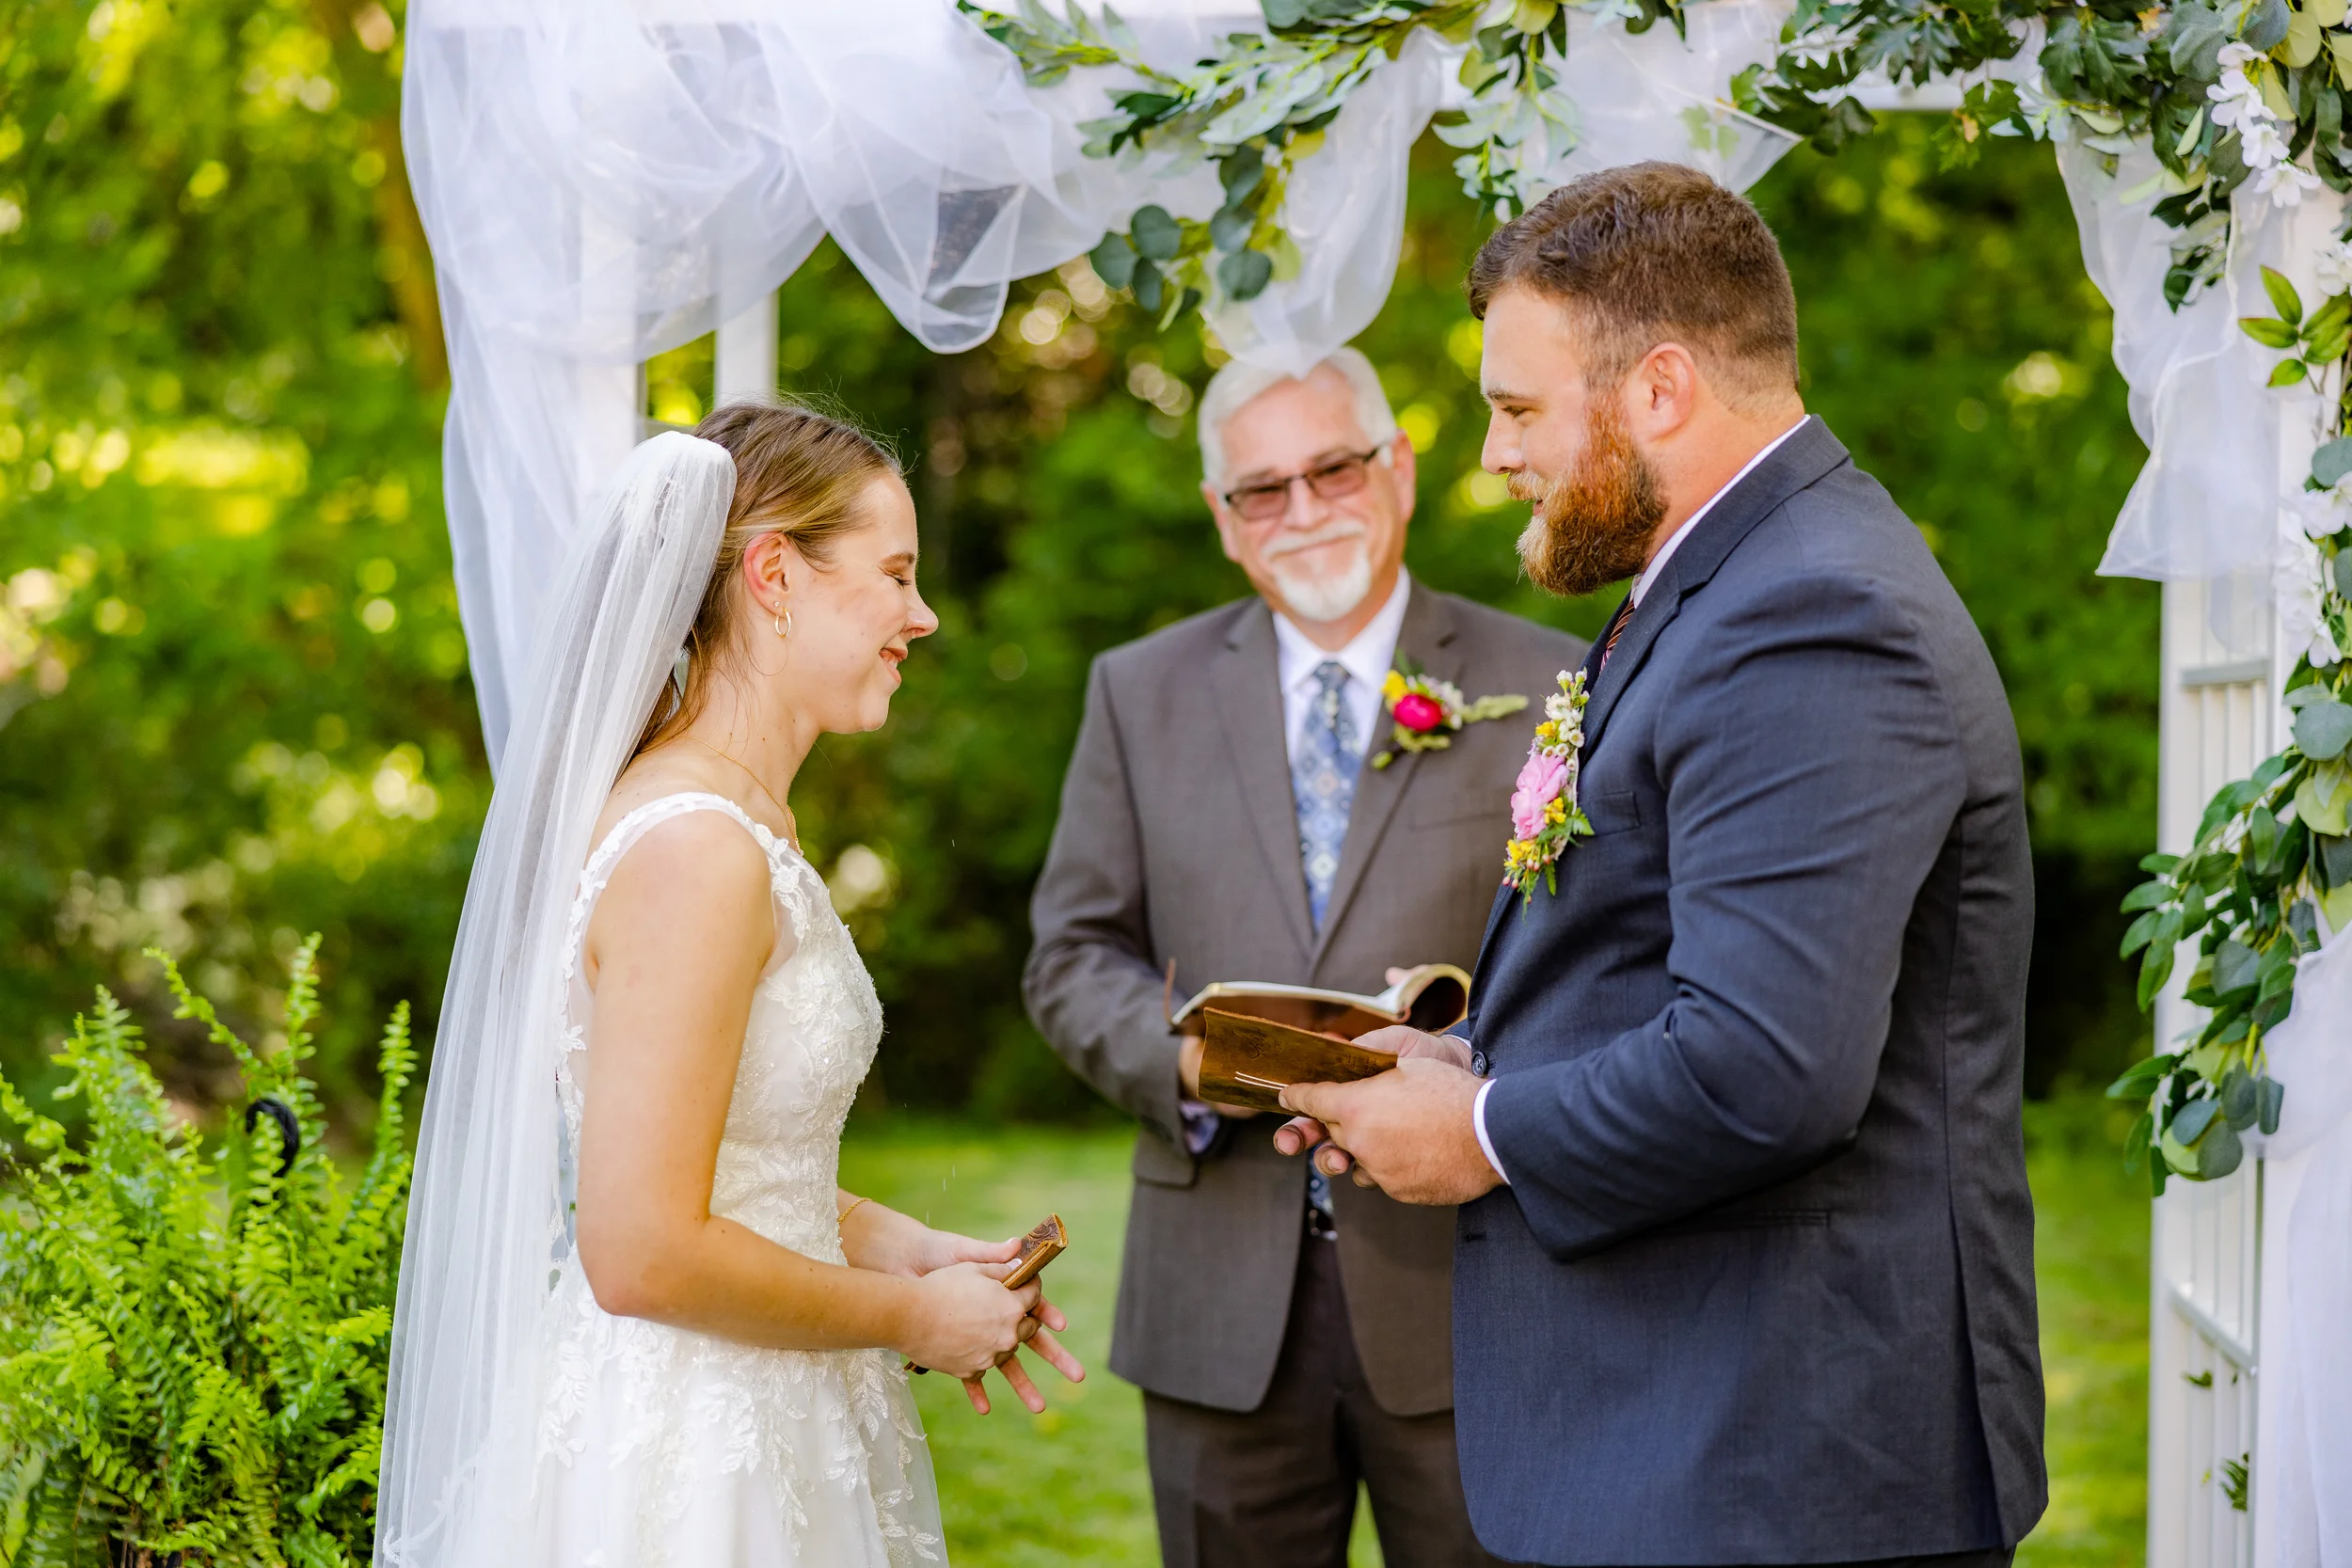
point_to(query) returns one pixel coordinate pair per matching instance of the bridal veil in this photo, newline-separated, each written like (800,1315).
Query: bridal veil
(488,1215)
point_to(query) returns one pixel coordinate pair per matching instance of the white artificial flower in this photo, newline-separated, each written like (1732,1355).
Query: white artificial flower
(2320,514)
(2233,55)
(2333,267)
(2323,653)
(2262,147)
(2286,184)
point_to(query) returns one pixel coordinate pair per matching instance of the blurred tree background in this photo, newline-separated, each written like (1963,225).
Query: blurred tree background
(233,700)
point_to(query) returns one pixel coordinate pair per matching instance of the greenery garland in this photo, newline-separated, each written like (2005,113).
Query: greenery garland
(2223,92)
(194,1336)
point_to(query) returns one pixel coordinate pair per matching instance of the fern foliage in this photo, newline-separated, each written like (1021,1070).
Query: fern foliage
(193,1328)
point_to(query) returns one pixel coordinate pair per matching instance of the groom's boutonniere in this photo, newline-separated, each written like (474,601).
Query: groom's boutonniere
(1425,711)
(1544,818)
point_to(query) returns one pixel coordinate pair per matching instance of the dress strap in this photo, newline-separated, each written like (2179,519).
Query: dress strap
(643,820)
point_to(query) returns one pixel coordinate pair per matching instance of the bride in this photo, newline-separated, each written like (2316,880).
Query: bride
(638,1320)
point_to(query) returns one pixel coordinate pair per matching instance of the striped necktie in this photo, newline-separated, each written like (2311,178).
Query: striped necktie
(1598,659)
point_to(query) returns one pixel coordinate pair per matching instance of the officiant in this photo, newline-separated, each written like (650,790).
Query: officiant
(1227,810)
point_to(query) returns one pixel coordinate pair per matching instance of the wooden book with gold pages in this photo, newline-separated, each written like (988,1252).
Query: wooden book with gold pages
(1261,1037)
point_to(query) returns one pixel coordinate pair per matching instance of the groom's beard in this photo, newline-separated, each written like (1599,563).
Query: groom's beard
(1593,527)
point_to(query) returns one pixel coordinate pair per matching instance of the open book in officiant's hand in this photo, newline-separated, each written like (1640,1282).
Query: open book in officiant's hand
(1260,1036)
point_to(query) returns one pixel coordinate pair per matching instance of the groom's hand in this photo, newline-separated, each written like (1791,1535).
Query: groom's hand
(1408,1131)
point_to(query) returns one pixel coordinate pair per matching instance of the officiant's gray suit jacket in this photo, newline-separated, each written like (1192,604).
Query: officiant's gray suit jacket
(1178,839)
(1761,1287)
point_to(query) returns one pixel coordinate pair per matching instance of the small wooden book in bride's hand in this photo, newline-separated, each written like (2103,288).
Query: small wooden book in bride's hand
(1046,1241)
(1040,1246)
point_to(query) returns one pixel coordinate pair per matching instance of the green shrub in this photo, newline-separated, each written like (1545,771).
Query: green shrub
(194,1330)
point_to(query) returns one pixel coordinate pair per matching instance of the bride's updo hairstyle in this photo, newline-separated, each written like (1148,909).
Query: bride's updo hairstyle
(798,472)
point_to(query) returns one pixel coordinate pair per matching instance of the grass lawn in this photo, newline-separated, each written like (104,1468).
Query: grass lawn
(1069,1486)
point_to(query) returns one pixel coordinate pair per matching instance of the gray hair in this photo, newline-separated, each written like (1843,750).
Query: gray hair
(1237,384)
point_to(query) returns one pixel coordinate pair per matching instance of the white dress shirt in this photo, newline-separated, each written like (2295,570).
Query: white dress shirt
(1641,586)
(1367,659)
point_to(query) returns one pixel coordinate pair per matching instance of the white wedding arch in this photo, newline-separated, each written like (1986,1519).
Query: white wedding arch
(605,180)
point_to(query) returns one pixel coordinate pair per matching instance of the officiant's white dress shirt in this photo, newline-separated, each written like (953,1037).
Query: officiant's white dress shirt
(1367,659)
(1641,587)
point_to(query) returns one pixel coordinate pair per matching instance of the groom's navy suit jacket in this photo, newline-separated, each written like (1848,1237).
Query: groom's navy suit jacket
(1760,1290)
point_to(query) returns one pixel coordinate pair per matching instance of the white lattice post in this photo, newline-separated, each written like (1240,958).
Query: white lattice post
(745,361)
(2217,717)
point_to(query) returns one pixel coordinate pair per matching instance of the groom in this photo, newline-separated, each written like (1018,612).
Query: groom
(1744,1271)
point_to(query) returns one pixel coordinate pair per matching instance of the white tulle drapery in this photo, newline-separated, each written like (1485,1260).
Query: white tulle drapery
(603,180)
(2305,1417)
(2206,503)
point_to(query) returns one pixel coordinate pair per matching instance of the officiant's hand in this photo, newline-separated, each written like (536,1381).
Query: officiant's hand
(1407,1131)
(1188,1078)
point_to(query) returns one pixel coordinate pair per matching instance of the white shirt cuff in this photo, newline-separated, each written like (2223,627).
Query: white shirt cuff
(1478,1124)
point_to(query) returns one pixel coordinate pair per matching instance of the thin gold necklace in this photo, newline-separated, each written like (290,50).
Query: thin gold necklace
(791,827)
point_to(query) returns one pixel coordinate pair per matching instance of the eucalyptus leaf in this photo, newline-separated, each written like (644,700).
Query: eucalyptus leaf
(1114,260)
(2190,1121)
(2323,729)
(2272,1095)
(2304,696)
(2240,1099)
(1244,274)
(1239,172)
(2334,858)
(2266,26)
(1230,228)
(1156,234)
(2135,1141)
(1149,287)
(2340,573)
(2320,804)
(2219,1152)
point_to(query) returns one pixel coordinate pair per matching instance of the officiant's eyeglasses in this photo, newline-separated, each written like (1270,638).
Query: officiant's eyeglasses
(1341,476)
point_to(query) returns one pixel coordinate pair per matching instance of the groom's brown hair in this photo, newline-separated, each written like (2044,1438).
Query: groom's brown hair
(1651,253)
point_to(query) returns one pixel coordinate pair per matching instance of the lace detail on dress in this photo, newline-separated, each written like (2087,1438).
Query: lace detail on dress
(642,1423)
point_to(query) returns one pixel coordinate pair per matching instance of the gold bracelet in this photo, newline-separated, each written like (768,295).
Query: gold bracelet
(850,1210)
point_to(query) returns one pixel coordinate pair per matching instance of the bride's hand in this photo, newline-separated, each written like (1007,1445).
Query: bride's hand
(1033,1331)
(887,1242)
(965,1321)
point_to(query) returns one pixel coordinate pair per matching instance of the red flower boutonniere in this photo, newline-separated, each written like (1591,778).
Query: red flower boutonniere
(1424,712)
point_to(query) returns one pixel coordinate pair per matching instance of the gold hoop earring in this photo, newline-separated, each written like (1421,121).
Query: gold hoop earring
(783,620)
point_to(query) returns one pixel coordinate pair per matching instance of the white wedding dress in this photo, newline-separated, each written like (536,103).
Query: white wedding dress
(658,1446)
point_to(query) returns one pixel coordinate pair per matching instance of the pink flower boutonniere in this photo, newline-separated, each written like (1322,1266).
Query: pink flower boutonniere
(1544,818)
(1426,711)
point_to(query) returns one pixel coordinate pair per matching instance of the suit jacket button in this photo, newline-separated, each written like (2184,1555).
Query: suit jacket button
(1478,1062)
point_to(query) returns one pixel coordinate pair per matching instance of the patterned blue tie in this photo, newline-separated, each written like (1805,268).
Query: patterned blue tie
(1323,783)
(1322,787)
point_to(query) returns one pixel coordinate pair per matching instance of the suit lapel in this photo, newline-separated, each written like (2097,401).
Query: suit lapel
(1803,459)
(1250,707)
(1428,635)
